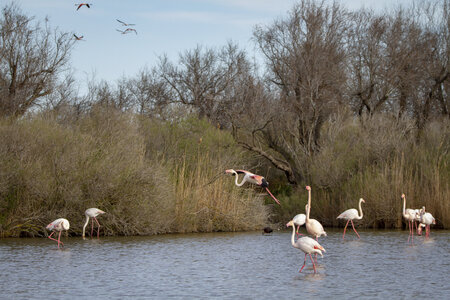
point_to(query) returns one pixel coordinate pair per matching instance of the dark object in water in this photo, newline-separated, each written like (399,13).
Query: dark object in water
(267,230)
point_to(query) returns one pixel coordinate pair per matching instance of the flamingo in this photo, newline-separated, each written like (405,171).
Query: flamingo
(128,30)
(350,215)
(124,24)
(409,215)
(252,178)
(313,226)
(78,38)
(58,225)
(307,245)
(92,213)
(79,5)
(299,220)
(426,219)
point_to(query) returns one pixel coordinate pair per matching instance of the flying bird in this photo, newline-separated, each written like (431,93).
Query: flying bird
(307,245)
(128,30)
(92,213)
(350,215)
(252,178)
(58,225)
(79,5)
(78,38)
(124,24)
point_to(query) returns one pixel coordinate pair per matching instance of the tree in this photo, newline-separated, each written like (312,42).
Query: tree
(32,56)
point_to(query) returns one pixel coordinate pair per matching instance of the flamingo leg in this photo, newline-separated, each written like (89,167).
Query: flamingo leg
(276,200)
(314,265)
(409,227)
(345,228)
(355,230)
(92,228)
(59,238)
(304,262)
(98,229)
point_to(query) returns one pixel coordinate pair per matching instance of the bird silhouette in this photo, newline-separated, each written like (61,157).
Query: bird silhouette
(78,38)
(125,24)
(128,30)
(79,5)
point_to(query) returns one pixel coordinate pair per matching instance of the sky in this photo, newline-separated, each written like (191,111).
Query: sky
(164,27)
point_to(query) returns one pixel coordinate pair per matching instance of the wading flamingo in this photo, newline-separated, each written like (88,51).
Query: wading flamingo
(252,178)
(124,24)
(307,245)
(58,225)
(426,219)
(81,4)
(409,215)
(313,226)
(92,213)
(350,215)
(299,220)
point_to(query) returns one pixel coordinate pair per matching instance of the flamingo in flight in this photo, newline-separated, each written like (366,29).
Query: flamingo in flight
(58,225)
(124,24)
(409,215)
(426,219)
(128,30)
(350,215)
(78,38)
(252,178)
(313,226)
(307,245)
(92,213)
(79,5)
(299,220)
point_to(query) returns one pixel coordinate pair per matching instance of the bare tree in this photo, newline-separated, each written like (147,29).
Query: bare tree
(32,56)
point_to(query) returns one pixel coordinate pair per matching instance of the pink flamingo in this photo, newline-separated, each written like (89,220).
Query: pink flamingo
(128,30)
(78,38)
(426,219)
(307,245)
(58,225)
(299,220)
(409,215)
(92,213)
(79,5)
(252,178)
(124,24)
(350,215)
(313,226)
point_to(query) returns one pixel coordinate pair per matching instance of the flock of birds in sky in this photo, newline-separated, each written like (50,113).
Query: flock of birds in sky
(306,244)
(128,26)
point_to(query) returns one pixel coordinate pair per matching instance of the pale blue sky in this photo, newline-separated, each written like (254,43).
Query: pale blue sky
(163,26)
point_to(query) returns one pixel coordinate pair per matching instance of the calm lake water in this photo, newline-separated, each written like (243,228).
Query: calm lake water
(226,265)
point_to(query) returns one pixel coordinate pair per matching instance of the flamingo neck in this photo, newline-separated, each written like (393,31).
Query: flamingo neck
(236,179)
(360,211)
(309,206)
(293,235)
(404,207)
(85,224)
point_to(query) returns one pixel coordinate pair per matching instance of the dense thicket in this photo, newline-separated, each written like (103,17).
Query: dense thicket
(353,103)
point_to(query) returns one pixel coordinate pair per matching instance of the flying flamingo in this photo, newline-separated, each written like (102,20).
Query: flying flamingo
(426,219)
(350,215)
(252,178)
(306,244)
(78,38)
(128,30)
(124,24)
(409,215)
(79,5)
(58,225)
(299,220)
(313,226)
(92,213)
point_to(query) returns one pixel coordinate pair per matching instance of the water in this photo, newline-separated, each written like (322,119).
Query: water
(226,265)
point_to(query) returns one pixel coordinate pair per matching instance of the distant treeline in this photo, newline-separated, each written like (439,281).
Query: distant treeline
(352,103)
